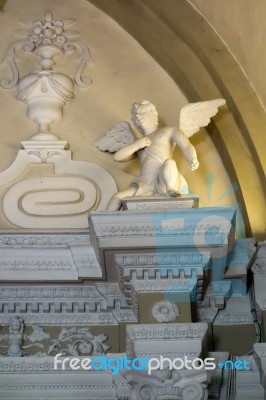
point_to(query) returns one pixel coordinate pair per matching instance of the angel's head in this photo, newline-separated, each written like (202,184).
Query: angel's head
(16,323)
(144,116)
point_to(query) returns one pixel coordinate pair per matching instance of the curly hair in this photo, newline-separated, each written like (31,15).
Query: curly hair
(143,106)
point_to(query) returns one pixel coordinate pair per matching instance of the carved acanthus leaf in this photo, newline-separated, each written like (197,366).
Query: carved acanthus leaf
(10,60)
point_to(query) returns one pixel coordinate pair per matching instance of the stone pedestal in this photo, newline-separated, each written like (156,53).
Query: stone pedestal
(150,203)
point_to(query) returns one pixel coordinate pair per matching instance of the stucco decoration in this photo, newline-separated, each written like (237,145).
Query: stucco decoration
(63,197)
(165,311)
(79,342)
(159,173)
(168,385)
(45,92)
(187,340)
(16,337)
(60,200)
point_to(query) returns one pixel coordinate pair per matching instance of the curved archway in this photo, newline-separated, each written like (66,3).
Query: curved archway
(185,45)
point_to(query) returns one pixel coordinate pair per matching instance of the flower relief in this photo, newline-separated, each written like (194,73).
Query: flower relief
(48,31)
(165,311)
(47,38)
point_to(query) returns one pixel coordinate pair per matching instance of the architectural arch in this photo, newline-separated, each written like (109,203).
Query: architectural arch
(176,35)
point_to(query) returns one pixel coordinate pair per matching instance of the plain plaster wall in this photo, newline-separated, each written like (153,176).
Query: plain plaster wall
(241,25)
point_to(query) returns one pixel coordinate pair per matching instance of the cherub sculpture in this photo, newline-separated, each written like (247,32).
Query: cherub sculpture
(16,336)
(159,174)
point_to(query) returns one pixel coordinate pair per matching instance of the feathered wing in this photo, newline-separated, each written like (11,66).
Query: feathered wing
(37,334)
(119,136)
(194,116)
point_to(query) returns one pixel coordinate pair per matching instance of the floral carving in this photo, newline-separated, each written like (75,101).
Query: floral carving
(82,342)
(165,311)
(49,31)
(46,38)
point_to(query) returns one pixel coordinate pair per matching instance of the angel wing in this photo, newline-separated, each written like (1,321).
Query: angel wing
(119,136)
(194,116)
(37,334)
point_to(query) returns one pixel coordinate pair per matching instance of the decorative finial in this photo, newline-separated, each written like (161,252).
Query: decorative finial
(46,91)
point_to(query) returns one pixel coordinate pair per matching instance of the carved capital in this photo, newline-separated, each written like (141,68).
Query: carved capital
(194,391)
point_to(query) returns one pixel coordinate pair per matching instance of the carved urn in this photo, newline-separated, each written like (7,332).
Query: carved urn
(45,94)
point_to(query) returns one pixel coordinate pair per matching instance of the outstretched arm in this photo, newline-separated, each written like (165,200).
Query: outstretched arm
(127,152)
(186,147)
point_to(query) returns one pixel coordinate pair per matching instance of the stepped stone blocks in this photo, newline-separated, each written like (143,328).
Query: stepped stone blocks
(159,278)
(155,283)
(53,257)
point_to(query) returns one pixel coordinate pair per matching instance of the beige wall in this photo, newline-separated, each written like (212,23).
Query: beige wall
(241,25)
(184,43)
(123,73)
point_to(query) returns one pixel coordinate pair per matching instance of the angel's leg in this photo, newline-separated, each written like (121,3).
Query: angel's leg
(116,201)
(169,176)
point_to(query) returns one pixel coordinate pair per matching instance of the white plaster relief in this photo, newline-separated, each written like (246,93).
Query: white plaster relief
(203,230)
(45,92)
(159,202)
(165,311)
(44,32)
(37,264)
(184,385)
(162,272)
(45,240)
(159,173)
(125,316)
(52,317)
(217,292)
(174,259)
(46,197)
(166,339)
(113,295)
(250,384)
(64,199)
(51,292)
(61,201)
(66,305)
(196,223)
(164,285)
(36,378)
(79,342)
(85,260)
(15,346)
(149,266)
(236,311)
(61,257)
(167,331)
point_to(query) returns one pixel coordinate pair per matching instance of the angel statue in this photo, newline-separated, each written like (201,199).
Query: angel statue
(159,174)
(16,336)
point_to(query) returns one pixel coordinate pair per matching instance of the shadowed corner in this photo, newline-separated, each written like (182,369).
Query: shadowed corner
(2,5)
